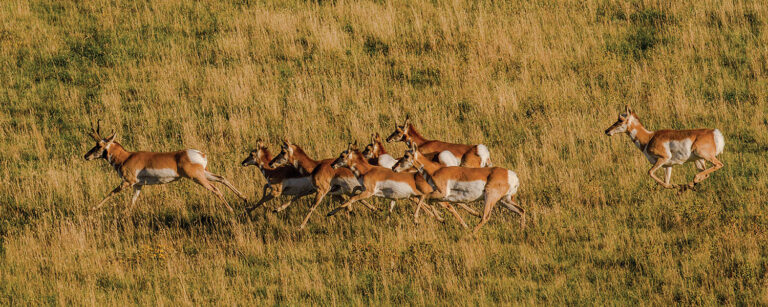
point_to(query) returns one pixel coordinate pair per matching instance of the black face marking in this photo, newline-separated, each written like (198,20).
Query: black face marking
(98,151)
(280,160)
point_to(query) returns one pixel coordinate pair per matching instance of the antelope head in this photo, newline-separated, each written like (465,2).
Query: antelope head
(347,157)
(625,120)
(102,144)
(373,149)
(285,156)
(409,160)
(401,132)
(257,155)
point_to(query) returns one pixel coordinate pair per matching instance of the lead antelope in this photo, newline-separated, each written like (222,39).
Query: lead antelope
(456,184)
(448,154)
(325,179)
(667,148)
(381,181)
(284,180)
(141,168)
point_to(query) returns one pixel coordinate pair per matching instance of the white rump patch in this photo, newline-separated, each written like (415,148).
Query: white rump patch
(149,176)
(464,191)
(387,161)
(448,159)
(197,157)
(298,186)
(513,182)
(392,189)
(485,155)
(719,141)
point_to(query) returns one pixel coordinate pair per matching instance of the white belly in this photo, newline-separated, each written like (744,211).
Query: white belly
(347,185)
(465,191)
(298,186)
(149,176)
(679,151)
(392,189)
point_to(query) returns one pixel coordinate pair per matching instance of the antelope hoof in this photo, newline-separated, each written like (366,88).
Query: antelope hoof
(334,211)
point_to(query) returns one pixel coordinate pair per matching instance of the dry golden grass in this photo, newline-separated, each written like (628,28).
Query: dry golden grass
(537,82)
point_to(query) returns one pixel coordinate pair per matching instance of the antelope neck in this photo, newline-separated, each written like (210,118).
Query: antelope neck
(304,161)
(264,160)
(427,165)
(381,150)
(415,136)
(117,155)
(360,167)
(638,134)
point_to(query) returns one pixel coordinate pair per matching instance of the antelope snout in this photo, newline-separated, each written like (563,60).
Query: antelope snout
(608,132)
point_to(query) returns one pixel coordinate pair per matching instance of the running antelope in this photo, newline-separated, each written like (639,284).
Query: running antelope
(377,155)
(456,184)
(325,179)
(284,180)
(667,148)
(447,154)
(380,181)
(141,168)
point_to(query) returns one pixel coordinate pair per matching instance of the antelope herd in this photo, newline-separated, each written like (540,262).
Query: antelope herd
(429,172)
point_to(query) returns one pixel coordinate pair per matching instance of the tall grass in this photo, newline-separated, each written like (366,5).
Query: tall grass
(537,82)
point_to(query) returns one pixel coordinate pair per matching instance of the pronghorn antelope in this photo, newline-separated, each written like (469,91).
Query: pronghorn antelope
(285,180)
(325,178)
(458,184)
(376,154)
(447,154)
(667,148)
(141,168)
(380,181)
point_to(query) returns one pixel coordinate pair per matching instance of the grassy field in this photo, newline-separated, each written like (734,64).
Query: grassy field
(537,82)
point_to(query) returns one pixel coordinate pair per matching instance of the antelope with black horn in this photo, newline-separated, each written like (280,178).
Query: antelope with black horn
(448,154)
(140,168)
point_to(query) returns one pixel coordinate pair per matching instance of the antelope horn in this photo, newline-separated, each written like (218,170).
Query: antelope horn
(95,131)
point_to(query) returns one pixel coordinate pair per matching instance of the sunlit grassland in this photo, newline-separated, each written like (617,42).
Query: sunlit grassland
(536,82)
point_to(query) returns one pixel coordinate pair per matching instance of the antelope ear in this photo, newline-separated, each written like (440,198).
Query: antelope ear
(377,137)
(407,121)
(286,143)
(111,137)
(627,109)
(353,146)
